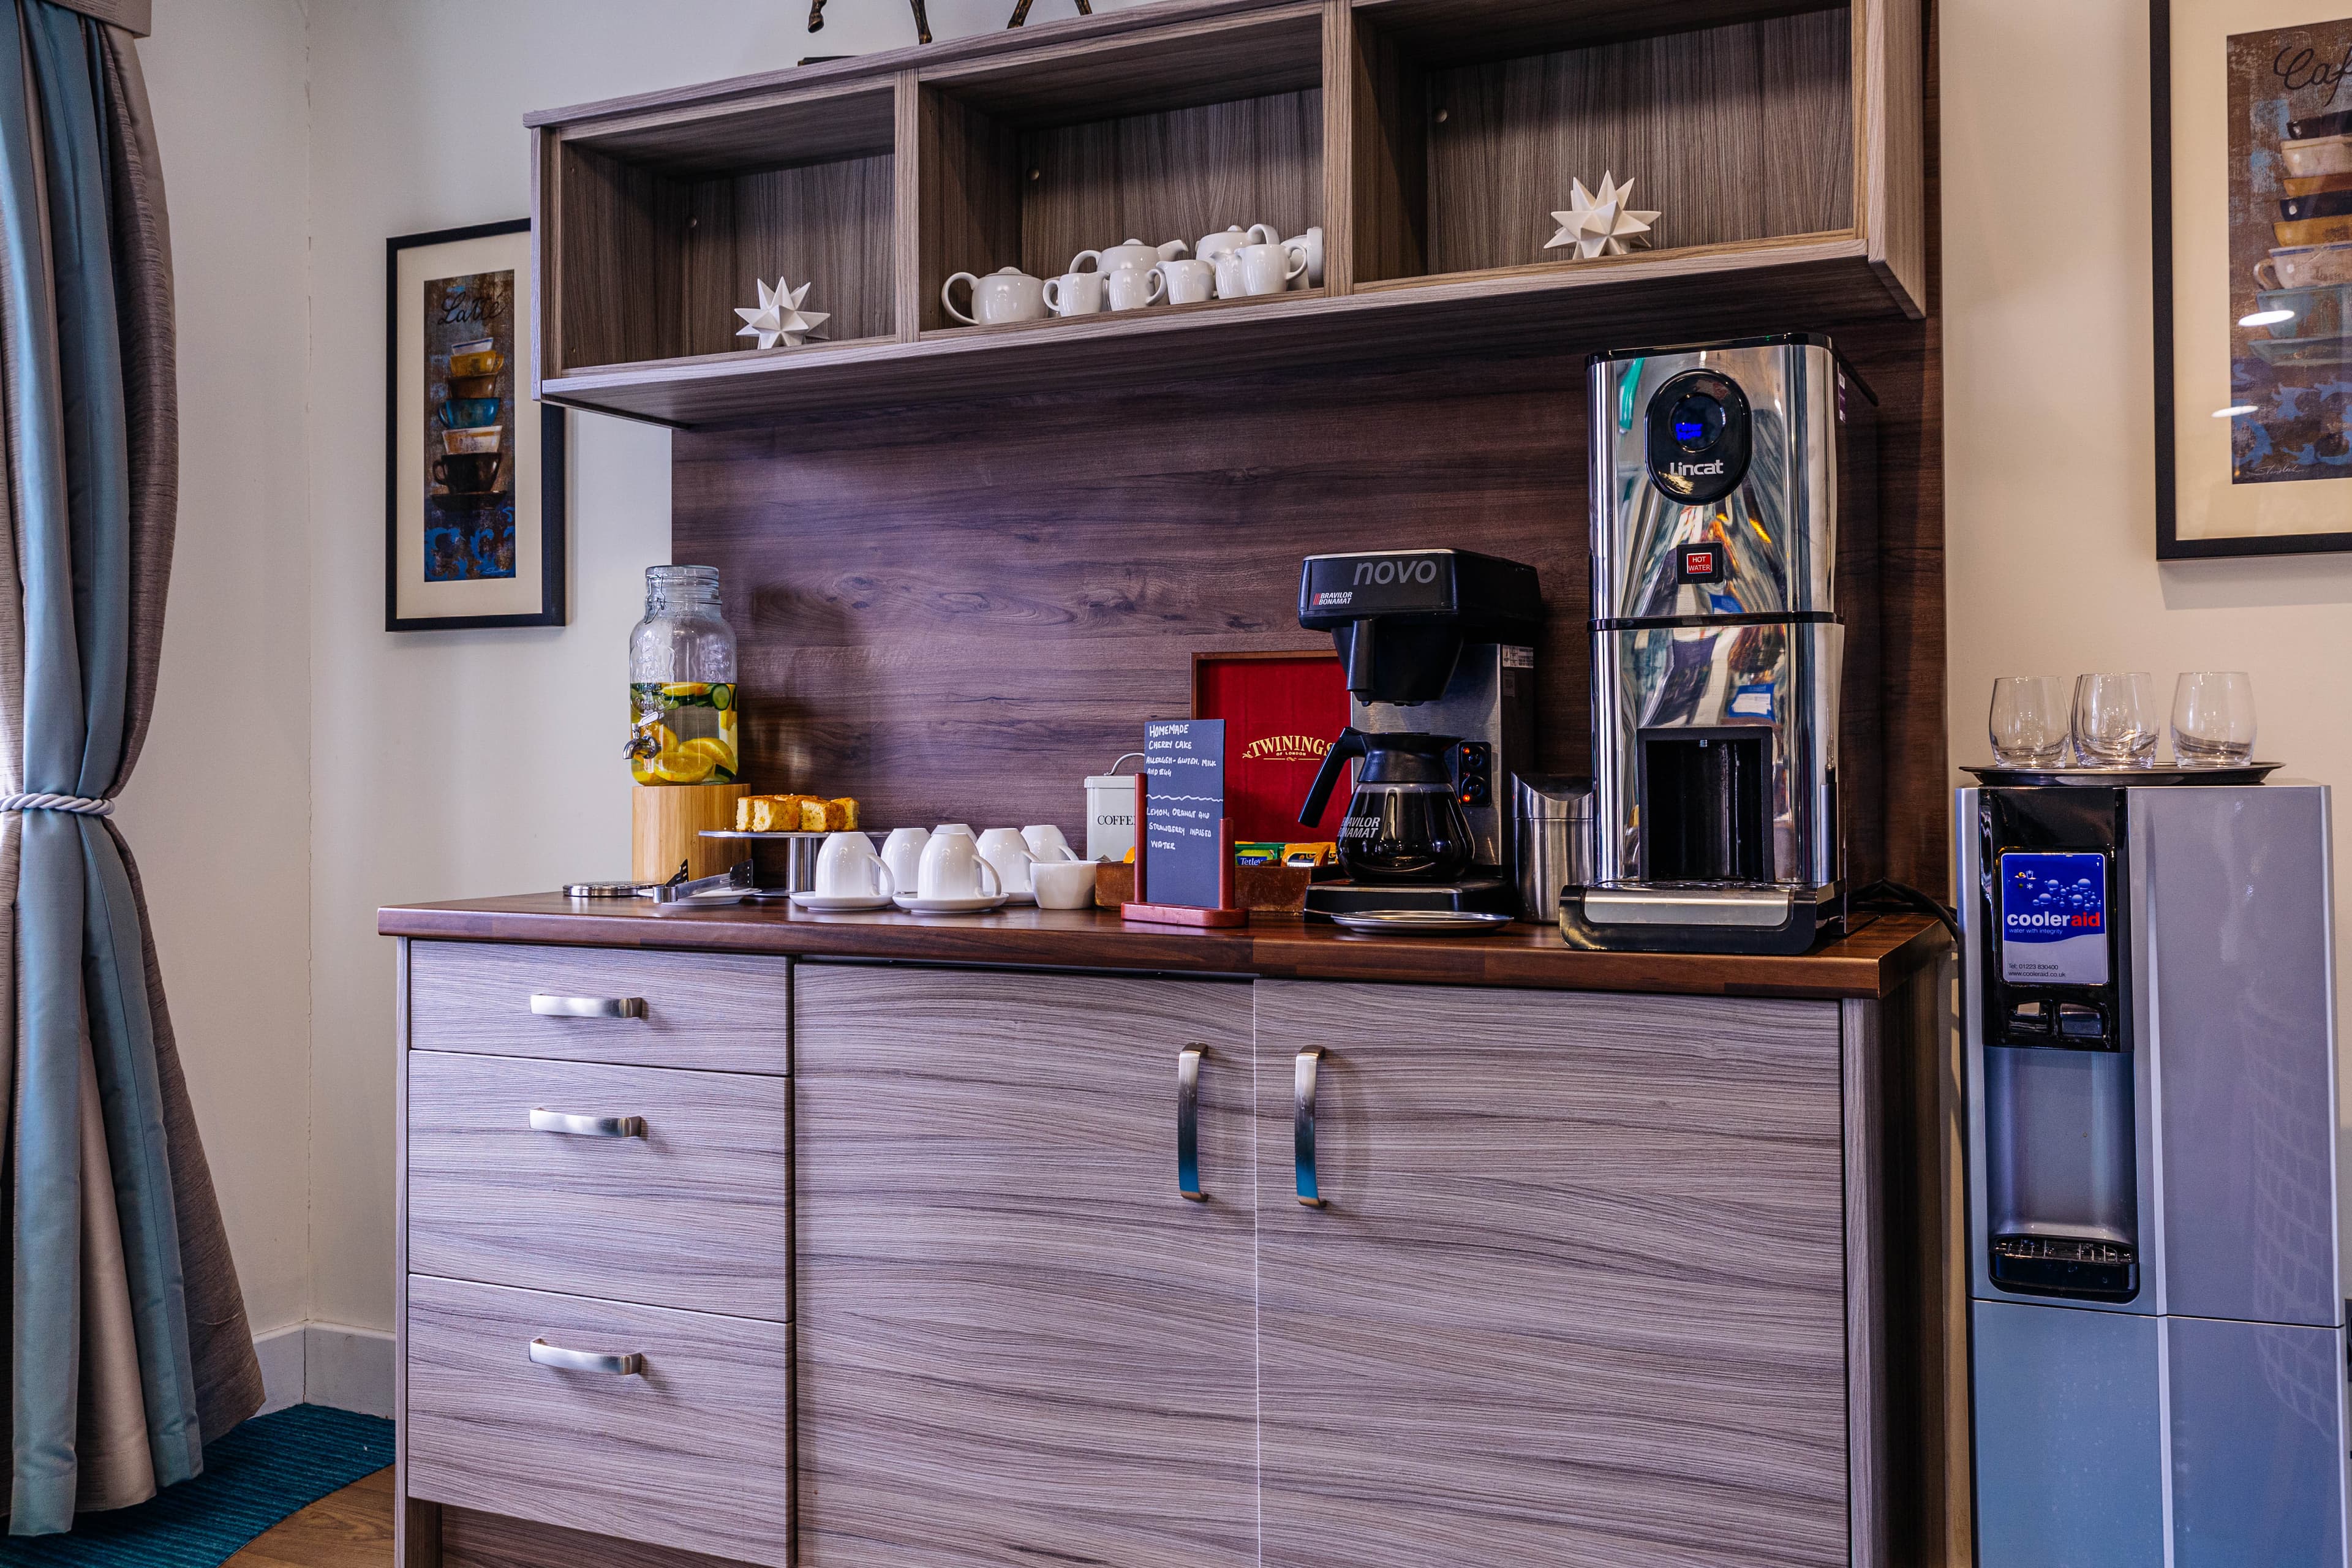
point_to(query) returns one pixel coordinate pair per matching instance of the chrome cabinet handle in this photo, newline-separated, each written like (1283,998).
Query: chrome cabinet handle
(627,1364)
(1302,1126)
(548,1006)
(1188,1122)
(544,1120)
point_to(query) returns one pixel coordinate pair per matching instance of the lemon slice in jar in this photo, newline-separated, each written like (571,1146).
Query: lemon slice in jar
(717,748)
(686,765)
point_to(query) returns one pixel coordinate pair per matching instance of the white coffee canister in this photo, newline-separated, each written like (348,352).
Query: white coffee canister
(1110,812)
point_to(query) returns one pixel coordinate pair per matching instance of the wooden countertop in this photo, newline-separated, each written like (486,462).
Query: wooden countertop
(1870,962)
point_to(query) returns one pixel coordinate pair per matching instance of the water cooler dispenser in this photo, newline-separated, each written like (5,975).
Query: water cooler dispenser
(2155,1319)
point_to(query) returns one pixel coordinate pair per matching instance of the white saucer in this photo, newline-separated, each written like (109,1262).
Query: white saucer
(837,904)
(920,906)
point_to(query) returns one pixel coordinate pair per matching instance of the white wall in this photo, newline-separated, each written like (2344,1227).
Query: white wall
(218,812)
(2049,428)
(377,769)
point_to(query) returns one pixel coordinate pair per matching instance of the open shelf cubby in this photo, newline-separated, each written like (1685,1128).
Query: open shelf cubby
(1470,137)
(658,226)
(1429,139)
(1029,161)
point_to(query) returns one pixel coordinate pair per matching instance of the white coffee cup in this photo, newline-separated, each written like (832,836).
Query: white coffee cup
(1075,293)
(951,868)
(1310,242)
(1265,268)
(1004,848)
(1236,238)
(951,827)
(1064,884)
(1131,288)
(903,853)
(1189,282)
(1046,843)
(848,868)
(1009,295)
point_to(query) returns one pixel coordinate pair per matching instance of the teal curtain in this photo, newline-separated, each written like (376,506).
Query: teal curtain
(121,1358)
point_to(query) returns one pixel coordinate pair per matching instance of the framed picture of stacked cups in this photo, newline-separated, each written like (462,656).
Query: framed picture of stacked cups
(473,489)
(2253,205)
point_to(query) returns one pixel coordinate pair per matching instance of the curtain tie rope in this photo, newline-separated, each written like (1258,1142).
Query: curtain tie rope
(80,805)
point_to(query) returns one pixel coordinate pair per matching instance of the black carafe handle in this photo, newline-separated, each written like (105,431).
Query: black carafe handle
(1350,743)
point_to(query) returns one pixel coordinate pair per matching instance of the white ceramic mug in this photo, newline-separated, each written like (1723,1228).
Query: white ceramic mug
(1235,239)
(1131,288)
(1189,282)
(2305,266)
(952,869)
(1265,268)
(903,853)
(1046,843)
(1064,884)
(1010,295)
(848,868)
(1075,293)
(1005,849)
(1133,253)
(1310,242)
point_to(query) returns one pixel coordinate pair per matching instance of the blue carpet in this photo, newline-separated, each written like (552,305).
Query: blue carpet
(269,1468)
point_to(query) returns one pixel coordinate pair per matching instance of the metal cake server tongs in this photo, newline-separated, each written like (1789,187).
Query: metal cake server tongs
(730,886)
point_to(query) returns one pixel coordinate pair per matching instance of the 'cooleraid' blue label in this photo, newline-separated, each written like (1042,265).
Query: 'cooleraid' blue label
(2053,919)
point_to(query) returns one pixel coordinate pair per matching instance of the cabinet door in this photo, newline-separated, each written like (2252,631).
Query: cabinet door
(1576,1294)
(1017,1341)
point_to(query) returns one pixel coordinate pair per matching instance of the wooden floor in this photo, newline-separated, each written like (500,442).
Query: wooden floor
(348,1529)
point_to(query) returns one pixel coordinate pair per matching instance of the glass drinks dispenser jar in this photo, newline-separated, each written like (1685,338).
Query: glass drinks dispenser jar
(682,713)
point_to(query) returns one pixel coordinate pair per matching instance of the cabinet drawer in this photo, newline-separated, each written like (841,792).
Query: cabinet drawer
(724,1012)
(689,1205)
(692,1450)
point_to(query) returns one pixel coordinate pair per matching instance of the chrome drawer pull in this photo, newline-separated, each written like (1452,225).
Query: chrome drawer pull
(628,1365)
(543,1120)
(1188,1123)
(1302,1126)
(548,1006)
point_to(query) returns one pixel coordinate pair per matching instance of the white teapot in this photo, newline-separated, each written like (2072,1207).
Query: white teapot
(1011,295)
(1132,253)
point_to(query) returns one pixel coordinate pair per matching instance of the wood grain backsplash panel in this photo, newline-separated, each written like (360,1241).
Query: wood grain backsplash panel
(958,615)
(1738,133)
(963,622)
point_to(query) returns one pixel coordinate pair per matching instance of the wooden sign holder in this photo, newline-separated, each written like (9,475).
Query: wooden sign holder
(1227,913)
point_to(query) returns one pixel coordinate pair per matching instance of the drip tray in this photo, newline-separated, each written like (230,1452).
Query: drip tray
(2089,1269)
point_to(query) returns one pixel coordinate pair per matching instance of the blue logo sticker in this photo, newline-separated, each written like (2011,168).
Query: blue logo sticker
(2053,919)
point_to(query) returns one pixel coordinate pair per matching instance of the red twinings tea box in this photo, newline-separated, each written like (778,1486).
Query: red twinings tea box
(1282,711)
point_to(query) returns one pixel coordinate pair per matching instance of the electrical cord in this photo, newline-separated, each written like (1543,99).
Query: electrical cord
(1885,897)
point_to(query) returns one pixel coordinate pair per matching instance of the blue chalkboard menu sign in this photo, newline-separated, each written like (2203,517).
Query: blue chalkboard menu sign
(1184,806)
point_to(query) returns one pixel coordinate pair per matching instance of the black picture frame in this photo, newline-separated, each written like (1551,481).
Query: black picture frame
(2169,546)
(553,523)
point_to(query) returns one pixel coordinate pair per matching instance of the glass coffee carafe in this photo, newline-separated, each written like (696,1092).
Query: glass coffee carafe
(682,714)
(1403,823)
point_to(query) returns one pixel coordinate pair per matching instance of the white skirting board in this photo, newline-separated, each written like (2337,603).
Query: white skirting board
(326,1363)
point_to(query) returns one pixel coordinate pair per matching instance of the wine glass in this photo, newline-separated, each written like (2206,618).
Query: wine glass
(2028,722)
(2116,723)
(2212,718)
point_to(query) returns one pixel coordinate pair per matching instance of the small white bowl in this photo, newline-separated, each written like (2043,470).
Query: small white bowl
(1064,884)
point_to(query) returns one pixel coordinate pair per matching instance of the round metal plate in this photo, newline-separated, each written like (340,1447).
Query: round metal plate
(2107,778)
(607,890)
(1421,922)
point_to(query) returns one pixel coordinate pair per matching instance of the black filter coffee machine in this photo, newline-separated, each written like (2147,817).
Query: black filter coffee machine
(1438,647)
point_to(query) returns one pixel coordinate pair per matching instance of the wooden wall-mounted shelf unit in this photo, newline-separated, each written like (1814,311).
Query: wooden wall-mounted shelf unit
(1429,138)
